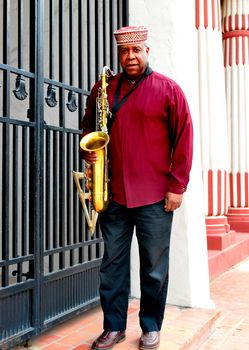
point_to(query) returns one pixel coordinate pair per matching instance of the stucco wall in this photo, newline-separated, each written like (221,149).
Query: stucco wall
(173,43)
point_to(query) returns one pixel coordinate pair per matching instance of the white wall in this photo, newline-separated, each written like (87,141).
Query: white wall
(173,43)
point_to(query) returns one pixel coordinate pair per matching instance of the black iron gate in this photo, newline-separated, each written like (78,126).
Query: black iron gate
(51,53)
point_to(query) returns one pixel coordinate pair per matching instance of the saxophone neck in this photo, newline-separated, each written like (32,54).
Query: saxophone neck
(105,75)
(106,71)
(102,100)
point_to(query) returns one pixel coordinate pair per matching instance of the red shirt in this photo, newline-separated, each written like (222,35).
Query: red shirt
(151,140)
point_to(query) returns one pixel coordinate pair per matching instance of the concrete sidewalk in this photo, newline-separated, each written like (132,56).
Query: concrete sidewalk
(225,328)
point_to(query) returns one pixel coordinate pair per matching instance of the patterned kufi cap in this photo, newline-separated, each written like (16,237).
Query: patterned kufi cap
(131,35)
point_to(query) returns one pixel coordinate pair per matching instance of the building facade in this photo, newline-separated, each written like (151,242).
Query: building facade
(203,45)
(51,53)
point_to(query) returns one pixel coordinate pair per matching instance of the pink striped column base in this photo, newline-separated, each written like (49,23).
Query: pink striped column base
(238,219)
(219,234)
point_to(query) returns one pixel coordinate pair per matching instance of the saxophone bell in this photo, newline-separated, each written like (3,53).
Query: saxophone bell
(97,141)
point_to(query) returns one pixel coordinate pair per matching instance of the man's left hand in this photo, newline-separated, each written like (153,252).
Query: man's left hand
(173,201)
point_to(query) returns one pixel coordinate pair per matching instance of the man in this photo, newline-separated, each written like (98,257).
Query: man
(150,156)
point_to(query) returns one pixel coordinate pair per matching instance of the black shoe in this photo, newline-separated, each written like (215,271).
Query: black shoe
(149,340)
(108,339)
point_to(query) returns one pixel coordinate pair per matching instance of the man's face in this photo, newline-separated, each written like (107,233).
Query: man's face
(133,58)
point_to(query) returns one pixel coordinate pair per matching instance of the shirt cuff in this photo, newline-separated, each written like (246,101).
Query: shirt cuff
(176,188)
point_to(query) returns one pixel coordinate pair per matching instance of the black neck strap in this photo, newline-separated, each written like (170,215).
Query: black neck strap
(117,104)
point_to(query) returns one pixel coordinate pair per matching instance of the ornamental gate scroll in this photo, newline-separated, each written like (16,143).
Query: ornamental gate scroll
(51,53)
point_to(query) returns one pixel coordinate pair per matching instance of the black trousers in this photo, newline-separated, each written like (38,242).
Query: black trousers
(153,229)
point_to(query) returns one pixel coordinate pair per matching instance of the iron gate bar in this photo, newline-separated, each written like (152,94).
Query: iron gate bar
(16,260)
(5,205)
(10,69)
(8,291)
(20,34)
(12,121)
(91,54)
(69,165)
(78,224)
(71,44)
(15,191)
(51,39)
(66,86)
(107,35)
(61,62)
(61,145)
(55,190)
(25,196)
(62,198)
(6,145)
(99,41)
(70,271)
(51,92)
(72,246)
(37,161)
(81,50)
(47,198)
(20,90)
(113,48)
(61,129)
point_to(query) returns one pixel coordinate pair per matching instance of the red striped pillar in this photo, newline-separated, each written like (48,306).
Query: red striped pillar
(213,123)
(235,24)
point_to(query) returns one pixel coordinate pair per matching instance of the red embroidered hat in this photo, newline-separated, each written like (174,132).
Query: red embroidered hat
(131,35)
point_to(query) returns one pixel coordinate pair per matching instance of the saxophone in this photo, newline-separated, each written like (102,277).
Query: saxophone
(96,141)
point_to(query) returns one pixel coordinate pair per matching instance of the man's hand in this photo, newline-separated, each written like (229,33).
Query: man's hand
(89,157)
(173,201)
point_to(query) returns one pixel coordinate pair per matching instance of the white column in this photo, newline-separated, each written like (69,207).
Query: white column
(235,15)
(213,122)
(173,42)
